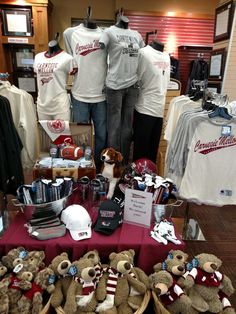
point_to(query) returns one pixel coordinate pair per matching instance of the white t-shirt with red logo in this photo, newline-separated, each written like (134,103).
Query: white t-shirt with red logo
(209,175)
(154,76)
(52,75)
(89,82)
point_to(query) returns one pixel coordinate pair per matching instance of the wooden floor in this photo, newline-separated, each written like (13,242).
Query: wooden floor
(218,225)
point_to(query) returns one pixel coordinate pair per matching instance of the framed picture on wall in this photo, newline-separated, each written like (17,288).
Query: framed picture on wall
(223,21)
(217,63)
(23,58)
(17,22)
(214,87)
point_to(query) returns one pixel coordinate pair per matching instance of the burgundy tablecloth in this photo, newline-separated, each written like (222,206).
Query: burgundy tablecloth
(147,251)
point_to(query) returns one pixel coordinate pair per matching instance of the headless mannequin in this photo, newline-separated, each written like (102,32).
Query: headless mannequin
(53,48)
(157,45)
(123,22)
(90,24)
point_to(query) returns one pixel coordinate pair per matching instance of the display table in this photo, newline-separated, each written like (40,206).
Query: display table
(147,251)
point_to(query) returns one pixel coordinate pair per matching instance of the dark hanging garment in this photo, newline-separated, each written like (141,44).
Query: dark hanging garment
(199,71)
(174,68)
(11,171)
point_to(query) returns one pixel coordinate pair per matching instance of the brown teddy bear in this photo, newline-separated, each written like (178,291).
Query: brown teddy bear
(205,284)
(176,267)
(169,293)
(19,253)
(60,266)
(19,281)
(94,257)
(32,300)
(81,293)
(175,255)
(4,299)
(36,258)
(3,271)
(113,288)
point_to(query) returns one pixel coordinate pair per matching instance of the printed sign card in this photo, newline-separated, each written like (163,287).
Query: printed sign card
(138,207)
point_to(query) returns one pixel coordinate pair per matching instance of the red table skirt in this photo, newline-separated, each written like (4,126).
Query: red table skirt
(147,251)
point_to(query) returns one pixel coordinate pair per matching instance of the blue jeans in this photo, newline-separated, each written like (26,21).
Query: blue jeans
(120,108)
(97,112)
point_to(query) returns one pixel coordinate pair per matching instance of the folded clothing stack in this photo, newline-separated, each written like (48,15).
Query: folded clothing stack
(45,225)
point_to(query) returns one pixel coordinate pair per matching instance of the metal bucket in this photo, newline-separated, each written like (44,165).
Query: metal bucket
(55,206)
(161,211)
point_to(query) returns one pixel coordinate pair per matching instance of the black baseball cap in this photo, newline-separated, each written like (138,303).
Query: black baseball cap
(110,216)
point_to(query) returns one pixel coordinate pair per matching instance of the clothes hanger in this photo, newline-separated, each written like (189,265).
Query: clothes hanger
(220,110)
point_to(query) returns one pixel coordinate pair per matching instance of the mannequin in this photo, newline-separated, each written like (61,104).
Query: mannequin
(88,97)
(53,48)
(122,45)
(90,23)
(123,22)
(157,45)
(154,76)
(52,68)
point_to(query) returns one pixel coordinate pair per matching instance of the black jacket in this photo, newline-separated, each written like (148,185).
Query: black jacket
(11,171)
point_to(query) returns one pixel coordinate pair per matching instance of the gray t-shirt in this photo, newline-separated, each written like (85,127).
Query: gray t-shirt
(122,46)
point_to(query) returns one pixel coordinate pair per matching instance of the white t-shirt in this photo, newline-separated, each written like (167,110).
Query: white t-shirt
(154,76)
(89,82)
(209,176)
(52,75)
(122,46)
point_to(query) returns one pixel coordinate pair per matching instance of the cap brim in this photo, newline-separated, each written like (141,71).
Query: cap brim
(81,234)
(107,229)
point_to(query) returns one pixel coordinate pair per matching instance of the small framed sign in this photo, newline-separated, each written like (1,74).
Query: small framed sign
(217,63)
(138,207)
(17,22)
(23,58)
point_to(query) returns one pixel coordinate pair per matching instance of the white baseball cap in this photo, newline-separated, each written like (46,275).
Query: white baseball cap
(77,221)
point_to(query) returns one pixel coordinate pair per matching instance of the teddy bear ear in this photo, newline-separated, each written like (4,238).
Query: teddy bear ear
(132,252)
(112,256)
(157,267)
(119,156)
(64,254)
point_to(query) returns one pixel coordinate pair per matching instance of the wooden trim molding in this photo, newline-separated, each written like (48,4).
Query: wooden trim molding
(171,14)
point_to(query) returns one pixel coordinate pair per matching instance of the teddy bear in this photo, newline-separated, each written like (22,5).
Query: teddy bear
(138,282)
(115,299)
(176,266)
(170,293)
(32,300)
(81,293)
(4,299)
(36,258)
(18,282)
(94,257)
(205,283)
(17,253)
(175,255)
(60,266)
(3,271)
